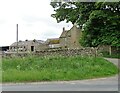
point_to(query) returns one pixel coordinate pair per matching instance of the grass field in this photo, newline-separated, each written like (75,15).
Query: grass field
(34,68)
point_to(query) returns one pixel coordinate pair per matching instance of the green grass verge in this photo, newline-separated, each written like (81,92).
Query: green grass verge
(34,68)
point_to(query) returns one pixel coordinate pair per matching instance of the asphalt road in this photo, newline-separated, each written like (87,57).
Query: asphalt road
(102,84)
(114,61)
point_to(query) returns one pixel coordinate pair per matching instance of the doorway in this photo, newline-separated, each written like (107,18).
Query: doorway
(32,48)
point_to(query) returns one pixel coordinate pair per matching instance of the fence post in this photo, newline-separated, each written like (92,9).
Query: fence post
(110,50)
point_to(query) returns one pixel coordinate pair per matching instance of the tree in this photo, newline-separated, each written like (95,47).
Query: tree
(102,27)
(100,19)
(74,12)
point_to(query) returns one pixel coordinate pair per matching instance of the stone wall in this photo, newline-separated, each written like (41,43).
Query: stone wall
(60,52)
(103,48)
(115,50)
(69,52)
(107,48)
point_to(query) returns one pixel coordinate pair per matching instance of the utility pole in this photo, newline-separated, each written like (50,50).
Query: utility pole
(17,38)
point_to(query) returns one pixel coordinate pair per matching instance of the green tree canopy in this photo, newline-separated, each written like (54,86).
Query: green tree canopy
(100,19)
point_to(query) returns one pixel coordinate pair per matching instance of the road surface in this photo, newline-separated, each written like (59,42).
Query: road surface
(114,61)
(102,84)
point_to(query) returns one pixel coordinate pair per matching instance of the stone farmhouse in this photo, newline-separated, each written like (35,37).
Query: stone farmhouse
(68,39)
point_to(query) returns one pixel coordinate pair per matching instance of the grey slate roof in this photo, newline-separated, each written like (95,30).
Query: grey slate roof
(24,43)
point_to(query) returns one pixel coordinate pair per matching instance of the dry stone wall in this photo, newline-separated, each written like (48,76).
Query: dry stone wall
(69,52)
(60,52)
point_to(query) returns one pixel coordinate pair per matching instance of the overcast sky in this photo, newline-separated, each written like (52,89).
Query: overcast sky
(34,19)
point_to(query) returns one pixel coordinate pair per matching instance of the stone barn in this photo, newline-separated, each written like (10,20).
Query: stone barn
(28,46)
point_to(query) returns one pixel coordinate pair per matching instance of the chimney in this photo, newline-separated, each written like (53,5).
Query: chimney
(63,28)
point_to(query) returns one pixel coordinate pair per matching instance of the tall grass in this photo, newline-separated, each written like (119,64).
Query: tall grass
(35,68)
